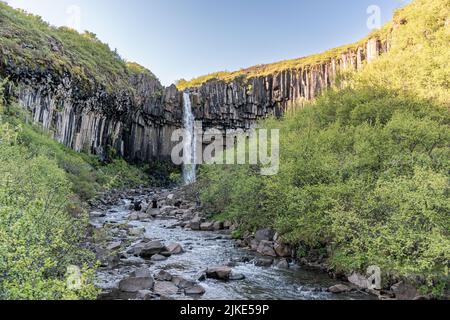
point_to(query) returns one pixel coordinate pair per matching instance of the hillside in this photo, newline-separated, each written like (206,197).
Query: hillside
(28,42)
(364,170)
(401,18)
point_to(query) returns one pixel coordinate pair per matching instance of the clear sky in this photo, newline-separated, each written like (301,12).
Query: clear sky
(187,38)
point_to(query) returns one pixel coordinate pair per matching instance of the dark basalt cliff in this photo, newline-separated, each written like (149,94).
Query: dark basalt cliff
(138,121)
(240,103)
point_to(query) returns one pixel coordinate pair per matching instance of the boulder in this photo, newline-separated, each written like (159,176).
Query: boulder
(264,235)
(114,246)
(196,290)
(136,284)
(220,272)
(158,258)
(266,249)
(182,283)
(282,250)
(151,248)
(195,224)
(404,291)
(264,262)
(218,226)
(163,276)
(165,288)
(175,248)
(339,288)
(207,226)
(283,264)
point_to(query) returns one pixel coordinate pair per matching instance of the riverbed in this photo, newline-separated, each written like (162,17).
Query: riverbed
(201,249)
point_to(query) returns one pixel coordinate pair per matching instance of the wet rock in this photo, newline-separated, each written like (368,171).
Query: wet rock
(264,262)
(282,250)
(266,249)
(218,226)
(283,264)
(136,284)
(165,288)
(158,258)
(163,275)
(339,288)
(220,272)
(137,206)
(195,224)
(151,248)
(264,235)
(114,246)
(132,261)
(207,226)
(175,248)
(182,283)
(196,290)
(403,291)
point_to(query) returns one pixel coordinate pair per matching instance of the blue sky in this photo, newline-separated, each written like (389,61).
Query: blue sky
(187,38)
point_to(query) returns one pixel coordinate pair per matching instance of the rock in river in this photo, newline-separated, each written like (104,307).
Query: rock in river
(220,273)
(165,288)
(151,248)
(339,288)
(266,249)
(136,284)
(196,290)
(175,248)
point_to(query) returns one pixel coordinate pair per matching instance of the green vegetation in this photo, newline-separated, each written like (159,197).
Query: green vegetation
(364,173)
(43,222)
(27,40)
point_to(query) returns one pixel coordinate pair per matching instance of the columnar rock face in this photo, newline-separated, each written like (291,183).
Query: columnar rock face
(138,124)
(240,103)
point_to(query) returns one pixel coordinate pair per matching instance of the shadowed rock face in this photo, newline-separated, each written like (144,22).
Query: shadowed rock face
(138,123)
(239,104)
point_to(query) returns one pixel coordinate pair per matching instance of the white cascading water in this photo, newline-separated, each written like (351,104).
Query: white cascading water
(190,142)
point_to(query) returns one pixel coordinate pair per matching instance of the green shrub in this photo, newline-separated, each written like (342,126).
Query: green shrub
(39,238)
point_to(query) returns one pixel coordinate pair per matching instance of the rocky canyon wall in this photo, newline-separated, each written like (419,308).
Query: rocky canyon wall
(240,103)
(138,123)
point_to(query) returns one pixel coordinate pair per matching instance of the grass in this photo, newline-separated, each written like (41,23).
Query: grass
(27,41)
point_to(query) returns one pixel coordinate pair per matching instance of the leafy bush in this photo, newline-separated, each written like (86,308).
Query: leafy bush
(39,238)
(364,171)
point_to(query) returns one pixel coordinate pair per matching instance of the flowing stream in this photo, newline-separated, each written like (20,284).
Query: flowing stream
(206,249)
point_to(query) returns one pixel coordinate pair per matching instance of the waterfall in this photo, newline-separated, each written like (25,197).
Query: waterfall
(190,141)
